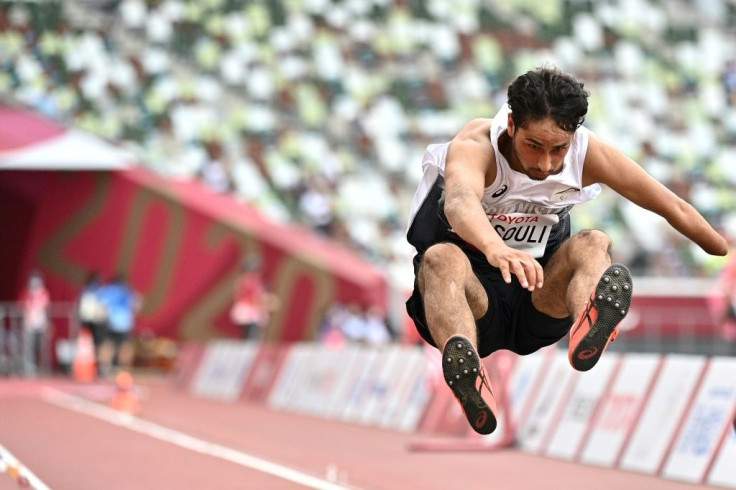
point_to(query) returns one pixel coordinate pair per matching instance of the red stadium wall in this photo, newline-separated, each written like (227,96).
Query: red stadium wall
(16,216)
(671,316)
(180,246)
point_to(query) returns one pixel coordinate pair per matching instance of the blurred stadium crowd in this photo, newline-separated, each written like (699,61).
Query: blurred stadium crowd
(318,111)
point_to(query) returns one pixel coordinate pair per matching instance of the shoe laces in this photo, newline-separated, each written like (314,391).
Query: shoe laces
(586,316)
(483,381)
(588,308)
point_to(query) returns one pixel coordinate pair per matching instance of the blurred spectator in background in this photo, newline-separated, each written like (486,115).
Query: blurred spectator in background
(353,323)
(122,303)
(315,205)
(91,311)
(726,321)
(36,303)
(215,170)
(376,331)
(253,302)
(331,332)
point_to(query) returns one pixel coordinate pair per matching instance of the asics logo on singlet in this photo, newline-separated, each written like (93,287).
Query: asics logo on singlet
(501,191)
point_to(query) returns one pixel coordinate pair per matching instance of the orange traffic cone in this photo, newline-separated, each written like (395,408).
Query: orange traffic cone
(125,398)
(84,369)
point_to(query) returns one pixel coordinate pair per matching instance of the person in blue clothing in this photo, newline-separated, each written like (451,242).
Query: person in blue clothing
(91,313)
(121,303)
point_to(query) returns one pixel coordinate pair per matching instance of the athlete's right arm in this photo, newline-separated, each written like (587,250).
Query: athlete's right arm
(471,163)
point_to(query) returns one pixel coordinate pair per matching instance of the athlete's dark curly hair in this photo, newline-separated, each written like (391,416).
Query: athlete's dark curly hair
(548,92)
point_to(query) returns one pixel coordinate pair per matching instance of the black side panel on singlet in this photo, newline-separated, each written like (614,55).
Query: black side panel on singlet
(559,234)
(430,225)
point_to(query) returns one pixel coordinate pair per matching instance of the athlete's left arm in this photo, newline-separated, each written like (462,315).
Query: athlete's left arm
(607,165)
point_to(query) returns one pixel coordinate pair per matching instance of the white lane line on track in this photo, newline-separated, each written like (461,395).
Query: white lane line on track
(10,464)
(186,441)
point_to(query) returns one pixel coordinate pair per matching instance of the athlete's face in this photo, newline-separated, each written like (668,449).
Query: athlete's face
(539,149)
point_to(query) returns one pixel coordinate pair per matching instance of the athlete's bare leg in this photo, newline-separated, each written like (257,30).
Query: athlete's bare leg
(453,297)
(453,300)
(572,273)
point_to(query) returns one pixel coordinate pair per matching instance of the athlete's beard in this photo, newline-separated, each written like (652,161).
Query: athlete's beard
(523,170)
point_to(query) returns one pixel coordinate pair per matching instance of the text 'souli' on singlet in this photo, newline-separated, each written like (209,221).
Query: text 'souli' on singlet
(529,215)
(526,232)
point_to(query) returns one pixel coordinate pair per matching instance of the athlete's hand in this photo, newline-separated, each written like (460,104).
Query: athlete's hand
(511,261)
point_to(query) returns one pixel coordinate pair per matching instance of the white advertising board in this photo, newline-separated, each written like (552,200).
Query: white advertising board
(723,472)
(413,372)
(292,373)
(319,384)
(362,358)
(533,430)
(223,369)
(347,359)
(620,409)
(388,375)
(419,398)
(706,421)
(364,382)
(664,409)
(528,372)
(580,407)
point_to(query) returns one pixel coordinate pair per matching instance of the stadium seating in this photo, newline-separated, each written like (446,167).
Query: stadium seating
(318,111)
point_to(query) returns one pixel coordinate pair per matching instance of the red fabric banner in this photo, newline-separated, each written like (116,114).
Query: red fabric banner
(179,245)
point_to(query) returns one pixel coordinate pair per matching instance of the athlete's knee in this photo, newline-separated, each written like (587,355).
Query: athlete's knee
(592,240)
(441,259)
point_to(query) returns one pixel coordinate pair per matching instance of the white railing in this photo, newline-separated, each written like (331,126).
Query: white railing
(16,344)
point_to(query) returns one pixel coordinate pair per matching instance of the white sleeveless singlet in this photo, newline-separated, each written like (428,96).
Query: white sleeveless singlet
(528,214)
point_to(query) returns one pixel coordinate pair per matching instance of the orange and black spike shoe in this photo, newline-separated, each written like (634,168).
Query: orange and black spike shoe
(597,323)
(467,378)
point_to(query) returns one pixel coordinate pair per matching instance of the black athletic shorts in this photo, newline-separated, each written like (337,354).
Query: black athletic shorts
(511,321)
(119,338)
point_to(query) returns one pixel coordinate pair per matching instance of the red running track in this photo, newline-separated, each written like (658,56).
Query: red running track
(180,442)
